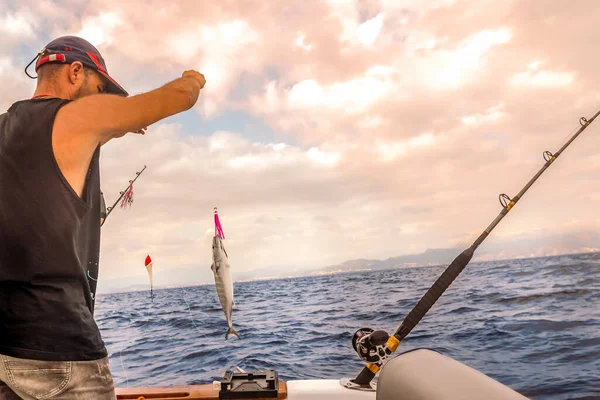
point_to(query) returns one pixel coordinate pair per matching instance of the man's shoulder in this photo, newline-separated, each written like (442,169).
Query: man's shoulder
(33,103)
(29,114)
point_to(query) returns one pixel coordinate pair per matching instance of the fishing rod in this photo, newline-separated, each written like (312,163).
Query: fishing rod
(109,209)
(375,347)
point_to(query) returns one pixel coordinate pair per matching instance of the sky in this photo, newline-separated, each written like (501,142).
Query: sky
(334,130)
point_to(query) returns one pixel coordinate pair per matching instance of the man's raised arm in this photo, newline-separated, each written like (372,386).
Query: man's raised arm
(101,117)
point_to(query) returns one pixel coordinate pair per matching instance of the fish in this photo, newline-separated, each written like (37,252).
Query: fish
(223,282)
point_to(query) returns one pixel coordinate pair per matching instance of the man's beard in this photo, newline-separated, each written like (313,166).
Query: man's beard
(82,91)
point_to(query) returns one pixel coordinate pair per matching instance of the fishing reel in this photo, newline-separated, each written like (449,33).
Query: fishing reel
(371,346)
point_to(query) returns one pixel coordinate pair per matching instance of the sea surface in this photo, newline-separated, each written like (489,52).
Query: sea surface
(532,324)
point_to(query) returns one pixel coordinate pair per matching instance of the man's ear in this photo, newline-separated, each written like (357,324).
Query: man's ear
(75,71)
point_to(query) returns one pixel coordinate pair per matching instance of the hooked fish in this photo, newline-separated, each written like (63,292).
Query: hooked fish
(223,281)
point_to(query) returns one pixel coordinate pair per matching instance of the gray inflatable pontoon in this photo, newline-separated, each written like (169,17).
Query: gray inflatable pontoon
(427,375)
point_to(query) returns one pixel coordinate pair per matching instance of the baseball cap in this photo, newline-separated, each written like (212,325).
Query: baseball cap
(68,49)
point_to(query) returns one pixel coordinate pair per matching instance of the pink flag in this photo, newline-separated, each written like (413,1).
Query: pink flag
(218,227)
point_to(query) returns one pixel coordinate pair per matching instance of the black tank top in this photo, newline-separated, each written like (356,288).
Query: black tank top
(49,243)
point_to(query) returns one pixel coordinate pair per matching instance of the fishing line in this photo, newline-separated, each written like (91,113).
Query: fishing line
(123,343)
(121,359)
(146,314)
(198,329)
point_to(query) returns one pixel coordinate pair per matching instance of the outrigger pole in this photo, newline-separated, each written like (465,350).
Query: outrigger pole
(375,347)
(109,209)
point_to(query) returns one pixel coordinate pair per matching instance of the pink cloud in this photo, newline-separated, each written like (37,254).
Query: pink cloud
(407,120)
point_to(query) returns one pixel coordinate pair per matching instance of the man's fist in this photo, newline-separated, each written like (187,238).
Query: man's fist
(191,74)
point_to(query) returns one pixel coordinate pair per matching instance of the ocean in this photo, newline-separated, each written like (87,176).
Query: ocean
(532,324)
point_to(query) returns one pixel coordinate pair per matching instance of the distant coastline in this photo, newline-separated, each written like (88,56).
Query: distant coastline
(429,258)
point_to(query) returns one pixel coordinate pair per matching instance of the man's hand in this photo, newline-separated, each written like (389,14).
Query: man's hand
(196,76)
(195,81)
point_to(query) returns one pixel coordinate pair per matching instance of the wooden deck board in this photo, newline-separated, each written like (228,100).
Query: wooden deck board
(184,392)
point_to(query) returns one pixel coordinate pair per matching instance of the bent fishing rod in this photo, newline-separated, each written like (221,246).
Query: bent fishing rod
(375,347)
(109,209)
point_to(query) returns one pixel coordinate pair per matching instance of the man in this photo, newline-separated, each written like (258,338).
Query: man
(50,345)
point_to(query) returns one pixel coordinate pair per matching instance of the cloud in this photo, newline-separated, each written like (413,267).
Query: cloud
(16,25)
(541,78)
(101,28)
(396,124)
(285,191)
(391,151)
(492,114)
(15,85)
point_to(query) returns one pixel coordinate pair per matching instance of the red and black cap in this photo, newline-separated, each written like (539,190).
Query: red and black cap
(68,49)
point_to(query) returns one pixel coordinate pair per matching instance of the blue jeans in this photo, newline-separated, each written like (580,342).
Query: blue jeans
(73,380)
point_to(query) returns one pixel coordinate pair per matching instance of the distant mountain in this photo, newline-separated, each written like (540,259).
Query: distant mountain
(429,257)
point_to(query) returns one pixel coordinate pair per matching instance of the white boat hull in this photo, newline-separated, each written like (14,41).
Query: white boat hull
(324,389)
